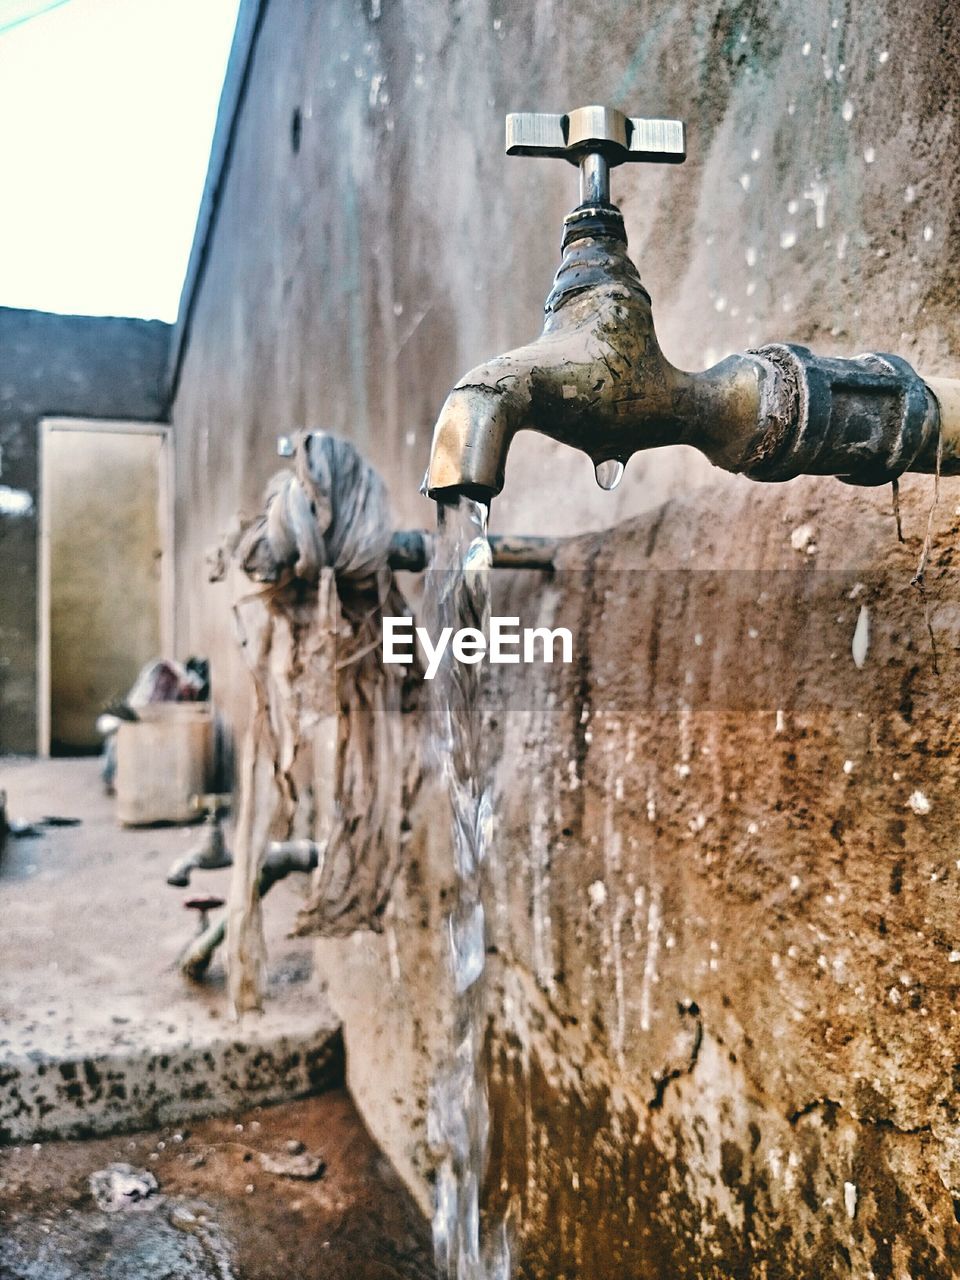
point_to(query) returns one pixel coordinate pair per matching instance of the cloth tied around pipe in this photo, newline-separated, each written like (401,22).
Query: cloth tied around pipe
(329,753)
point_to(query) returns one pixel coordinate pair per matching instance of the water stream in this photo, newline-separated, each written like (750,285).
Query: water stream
(458,595)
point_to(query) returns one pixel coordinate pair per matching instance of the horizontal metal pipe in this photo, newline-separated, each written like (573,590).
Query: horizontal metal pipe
(410,549)
(946,392)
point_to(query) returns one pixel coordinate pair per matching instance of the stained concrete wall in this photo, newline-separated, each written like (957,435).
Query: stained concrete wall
(725,1040)
(71,366)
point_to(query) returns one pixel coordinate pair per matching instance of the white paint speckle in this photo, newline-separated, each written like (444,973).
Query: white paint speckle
(597,893)
(751,256)
(847,110)
(918,803)
(928,233)
(869,155)
(860,645)
(954,957)
(802,537)
(795,883)
(654,922)
(817,194)
(744,181)
(848,766)
(805,49)
(883,56)
(850,1200)
(788,238)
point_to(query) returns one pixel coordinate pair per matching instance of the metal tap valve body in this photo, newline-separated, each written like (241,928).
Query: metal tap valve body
(597,380)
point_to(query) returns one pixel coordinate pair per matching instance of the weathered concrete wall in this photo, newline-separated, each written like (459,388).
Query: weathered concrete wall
(74,366)
(735,893)
(726,1042)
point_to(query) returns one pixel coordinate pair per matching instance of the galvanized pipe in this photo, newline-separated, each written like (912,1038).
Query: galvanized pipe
(946,392)
(410,550)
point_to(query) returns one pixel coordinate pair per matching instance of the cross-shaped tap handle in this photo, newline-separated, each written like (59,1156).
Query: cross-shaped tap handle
(596,139)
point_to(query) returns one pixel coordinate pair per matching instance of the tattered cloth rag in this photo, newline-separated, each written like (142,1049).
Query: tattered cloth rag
(327,754)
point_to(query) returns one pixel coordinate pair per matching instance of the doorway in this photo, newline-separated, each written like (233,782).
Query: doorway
(106,591)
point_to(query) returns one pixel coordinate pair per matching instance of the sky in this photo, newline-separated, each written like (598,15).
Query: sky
(107,110)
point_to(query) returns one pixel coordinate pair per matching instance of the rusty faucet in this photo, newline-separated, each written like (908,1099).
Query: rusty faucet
(596,378)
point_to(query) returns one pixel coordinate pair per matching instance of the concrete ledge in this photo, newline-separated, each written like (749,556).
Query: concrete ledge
(161,1080)
(99,1030)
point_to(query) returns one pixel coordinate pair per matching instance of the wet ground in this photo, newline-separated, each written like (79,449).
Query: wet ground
(219,1214)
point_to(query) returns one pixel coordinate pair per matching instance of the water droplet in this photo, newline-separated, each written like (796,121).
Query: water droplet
(609,473)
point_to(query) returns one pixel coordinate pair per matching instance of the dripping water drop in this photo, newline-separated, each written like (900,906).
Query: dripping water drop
(609,473)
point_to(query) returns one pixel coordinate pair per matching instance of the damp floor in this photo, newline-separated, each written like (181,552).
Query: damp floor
(219,1215)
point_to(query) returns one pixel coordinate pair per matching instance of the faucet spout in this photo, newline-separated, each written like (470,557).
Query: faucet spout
(596,379)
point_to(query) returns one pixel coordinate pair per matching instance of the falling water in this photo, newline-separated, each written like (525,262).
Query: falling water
(458,587)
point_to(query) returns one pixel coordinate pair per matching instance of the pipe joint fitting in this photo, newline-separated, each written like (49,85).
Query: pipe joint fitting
(865,420)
